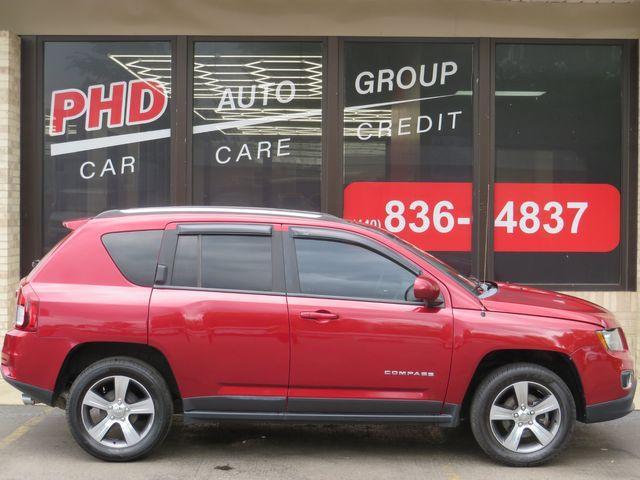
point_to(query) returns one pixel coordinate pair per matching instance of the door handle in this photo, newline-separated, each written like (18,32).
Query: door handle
(319,315)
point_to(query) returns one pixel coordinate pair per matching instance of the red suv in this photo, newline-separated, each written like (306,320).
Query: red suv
(276,315)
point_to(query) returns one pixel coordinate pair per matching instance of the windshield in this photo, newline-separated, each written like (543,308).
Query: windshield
(470,283)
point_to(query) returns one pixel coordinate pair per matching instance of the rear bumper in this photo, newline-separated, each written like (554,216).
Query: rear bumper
(605,411)
(39,394)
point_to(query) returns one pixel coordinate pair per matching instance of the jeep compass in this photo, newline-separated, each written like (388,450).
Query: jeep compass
(228,313)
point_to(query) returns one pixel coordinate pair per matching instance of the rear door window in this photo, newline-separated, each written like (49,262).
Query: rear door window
(135,254)
(224,262)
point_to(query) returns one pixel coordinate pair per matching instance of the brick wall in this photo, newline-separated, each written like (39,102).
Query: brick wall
(9,174)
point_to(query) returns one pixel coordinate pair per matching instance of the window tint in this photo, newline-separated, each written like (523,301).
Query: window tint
(135,254)
(408,140)
(236,262)
(233,262)
(257,124)
(343,270)
(558,113)
(186,263)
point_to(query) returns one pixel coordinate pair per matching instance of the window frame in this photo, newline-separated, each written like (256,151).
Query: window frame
(172,232)
(189,42)
(629,167)
(292,271)
(332,167)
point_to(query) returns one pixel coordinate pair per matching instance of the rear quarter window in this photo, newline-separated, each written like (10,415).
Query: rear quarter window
(135,254)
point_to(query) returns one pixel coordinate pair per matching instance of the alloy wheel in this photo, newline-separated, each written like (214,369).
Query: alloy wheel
(117,411)
(525,417)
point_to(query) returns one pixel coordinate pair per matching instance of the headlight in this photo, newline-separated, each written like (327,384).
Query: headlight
(612,339)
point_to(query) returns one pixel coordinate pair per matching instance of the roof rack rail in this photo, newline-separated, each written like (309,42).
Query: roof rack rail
(217,209)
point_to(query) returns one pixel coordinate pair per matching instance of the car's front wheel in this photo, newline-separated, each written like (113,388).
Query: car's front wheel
(119,409)
(522,414)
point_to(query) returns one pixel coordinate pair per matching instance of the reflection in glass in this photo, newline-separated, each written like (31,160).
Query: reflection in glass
(409,116)
(560,122)
(88,181)
(257,124)
(238,262)
(338,269)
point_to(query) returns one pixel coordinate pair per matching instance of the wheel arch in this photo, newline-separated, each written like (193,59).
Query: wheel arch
(558,362)
(85,354)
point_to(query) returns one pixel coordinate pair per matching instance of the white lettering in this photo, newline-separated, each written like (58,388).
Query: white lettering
(429,125)
(386,129)
(412,76)
(361,136)
(403,125)
(264,147)
(434,74)
(385,76)
(128,162)
(265,93)
(448,69)
(222,162)
(453,118)
(252,97)
(244,152)
(108,167)
(368,84)
(227,98)
(82,170)
(292,91)
(283,144)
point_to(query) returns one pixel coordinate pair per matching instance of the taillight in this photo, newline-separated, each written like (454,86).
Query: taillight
(26,312)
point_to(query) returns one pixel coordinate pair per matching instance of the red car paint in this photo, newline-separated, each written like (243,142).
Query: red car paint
(257,345)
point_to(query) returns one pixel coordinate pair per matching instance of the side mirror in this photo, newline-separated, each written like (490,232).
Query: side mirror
(426,290)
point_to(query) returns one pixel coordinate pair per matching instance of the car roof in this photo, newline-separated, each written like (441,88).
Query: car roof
(168,212)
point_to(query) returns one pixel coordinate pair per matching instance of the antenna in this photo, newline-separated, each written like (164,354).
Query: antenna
(486,233)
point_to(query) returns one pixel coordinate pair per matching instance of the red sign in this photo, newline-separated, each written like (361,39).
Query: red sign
(433,216)
(145,101)
(528,217)
(556,217)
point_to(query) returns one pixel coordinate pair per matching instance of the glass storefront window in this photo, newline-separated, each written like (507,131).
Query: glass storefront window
(408,142)
(107,129)
(422,146)
(558,153)
(257,134)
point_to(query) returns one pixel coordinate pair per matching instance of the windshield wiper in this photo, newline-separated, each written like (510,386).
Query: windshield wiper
(481,287)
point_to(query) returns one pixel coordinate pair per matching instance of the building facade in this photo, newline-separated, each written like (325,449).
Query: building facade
(501,136)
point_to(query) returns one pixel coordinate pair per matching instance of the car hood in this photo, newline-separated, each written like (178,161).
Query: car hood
(511,298)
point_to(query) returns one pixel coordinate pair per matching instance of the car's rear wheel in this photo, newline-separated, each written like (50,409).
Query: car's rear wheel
(119,409)
(522,414)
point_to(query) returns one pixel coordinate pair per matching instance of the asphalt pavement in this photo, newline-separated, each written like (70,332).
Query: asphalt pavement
(35,444)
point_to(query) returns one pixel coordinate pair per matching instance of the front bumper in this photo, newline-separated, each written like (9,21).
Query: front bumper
(605,411)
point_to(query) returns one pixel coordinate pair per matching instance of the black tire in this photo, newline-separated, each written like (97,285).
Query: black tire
(146,376)
(501,380)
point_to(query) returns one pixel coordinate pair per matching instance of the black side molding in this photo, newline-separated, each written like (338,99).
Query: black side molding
(358,406)
(440,420)
(605,411)
(319,410)
(231,403)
